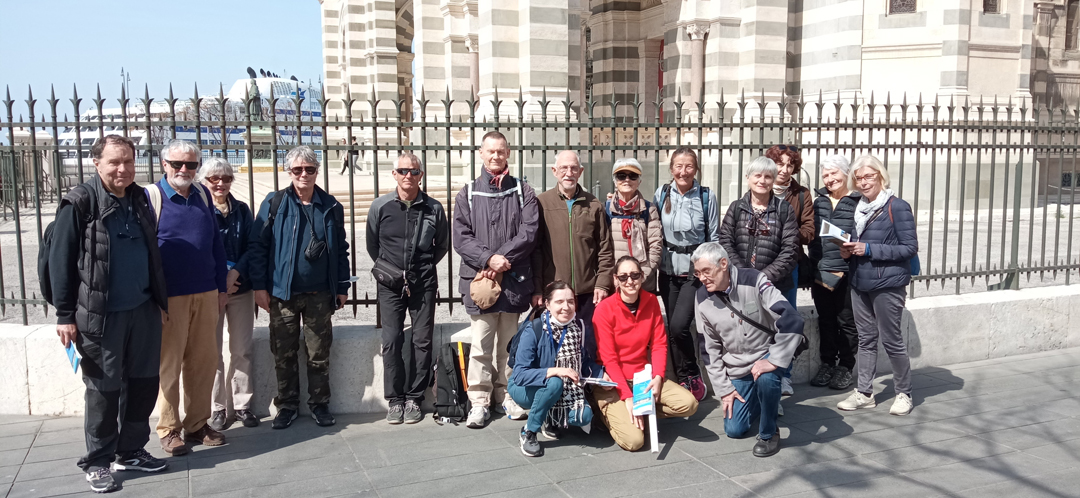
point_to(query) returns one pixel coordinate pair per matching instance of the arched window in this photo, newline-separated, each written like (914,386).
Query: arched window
(1071,25)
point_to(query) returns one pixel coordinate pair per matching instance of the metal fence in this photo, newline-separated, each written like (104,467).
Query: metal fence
(992,182)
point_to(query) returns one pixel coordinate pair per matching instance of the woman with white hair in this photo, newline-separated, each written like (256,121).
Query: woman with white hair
(635,222)
(879,255)
(835,204)
(234,221)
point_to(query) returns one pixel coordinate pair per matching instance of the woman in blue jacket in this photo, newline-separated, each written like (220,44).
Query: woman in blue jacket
(548,368)
(879,254)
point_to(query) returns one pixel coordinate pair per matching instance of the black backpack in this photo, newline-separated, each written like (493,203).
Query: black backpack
(84,202)
(512,347)
(451,399)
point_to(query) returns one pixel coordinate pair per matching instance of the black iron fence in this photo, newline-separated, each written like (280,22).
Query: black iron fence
(992,182)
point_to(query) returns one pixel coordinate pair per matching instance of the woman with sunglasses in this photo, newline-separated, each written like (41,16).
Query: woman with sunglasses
(635,222)
(234,219)
(690,217)
(629,334)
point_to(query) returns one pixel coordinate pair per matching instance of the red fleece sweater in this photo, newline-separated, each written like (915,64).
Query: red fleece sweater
(622,338)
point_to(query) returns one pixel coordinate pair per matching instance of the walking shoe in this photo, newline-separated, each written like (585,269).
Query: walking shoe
(206,436)
(823,376)
(785,387)
(779,410)
(413,413)
(322,416)
(841,379)
(550,430)
(218,420)
(173,444)
(767,447)
(284,418)
(478,416)
(396,414)
(530,447)
(901,405)
(513,411)
(101,480)
(141,460)
(856,401)
(697,387)
(249,419)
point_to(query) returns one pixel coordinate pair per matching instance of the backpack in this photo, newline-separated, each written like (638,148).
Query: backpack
(516,190)
(275,206)
(153,194)
(512,347)
(644,214)
(84,201)
(451,386)
(703,192)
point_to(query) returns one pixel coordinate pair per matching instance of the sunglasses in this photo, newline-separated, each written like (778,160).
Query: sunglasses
(792,148)
(634,277)
(192,165)
(219,179)
(299,170)
(622,177)
(408,171)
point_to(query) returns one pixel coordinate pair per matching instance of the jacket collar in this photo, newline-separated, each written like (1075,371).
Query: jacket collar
(421,197)
(825,191)
(746,204)
(577,193)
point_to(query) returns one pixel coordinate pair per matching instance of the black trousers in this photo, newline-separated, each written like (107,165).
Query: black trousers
(401,380)
(836,324)
(120,370)
(678,294)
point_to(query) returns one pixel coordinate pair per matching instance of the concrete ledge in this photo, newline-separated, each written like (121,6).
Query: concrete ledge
(938,331)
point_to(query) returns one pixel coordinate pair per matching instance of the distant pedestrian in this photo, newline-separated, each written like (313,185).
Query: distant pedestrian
(350,158)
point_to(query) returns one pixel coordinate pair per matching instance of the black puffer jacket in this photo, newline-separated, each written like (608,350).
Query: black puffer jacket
(774,250)
(827,255)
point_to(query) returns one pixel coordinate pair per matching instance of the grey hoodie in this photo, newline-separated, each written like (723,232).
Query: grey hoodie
(732,345)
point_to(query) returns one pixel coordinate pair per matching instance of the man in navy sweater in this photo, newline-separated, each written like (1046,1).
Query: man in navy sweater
(193,260)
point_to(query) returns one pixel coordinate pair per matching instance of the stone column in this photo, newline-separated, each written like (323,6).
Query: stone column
(473,46)
(697,32)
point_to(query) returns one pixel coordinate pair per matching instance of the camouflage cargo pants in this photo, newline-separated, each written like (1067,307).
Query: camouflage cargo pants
(314,309)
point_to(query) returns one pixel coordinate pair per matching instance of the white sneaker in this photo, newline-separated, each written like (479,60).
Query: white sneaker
(856,401)
(513,411)
(779,410)
(901,405)
(785,387)
(478,416)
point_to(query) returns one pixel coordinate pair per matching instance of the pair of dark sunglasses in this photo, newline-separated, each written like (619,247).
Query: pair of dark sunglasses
(622,177)
(191,165)
(219,179)
(792,148)
(299,170)
(409,171)
(633,276)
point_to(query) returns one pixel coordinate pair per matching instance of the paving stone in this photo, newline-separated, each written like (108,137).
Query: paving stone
(894,486)
(265,453)
(50,424)
(351,483)
(400,475)
(19,419)
(1001,419)
(1068,406)
(983,471)
(937,454)
(860,443)
(647,479)
(7,474)
(501,482)
(716,441)
(264,475)
(52,486)
(16,442)
(372,456)
(44,470)
(1065,452)
(713,489)
(66,451)
(1050,485)
(59,437)
(19,428)
(744,463)
(542,491)
(591,465)
(1035,435)
(12,457)
(157,489)
(801,478)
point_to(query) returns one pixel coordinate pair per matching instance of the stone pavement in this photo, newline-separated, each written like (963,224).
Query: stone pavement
(1003,427)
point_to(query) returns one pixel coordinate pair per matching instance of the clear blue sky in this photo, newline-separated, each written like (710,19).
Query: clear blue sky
(86,42)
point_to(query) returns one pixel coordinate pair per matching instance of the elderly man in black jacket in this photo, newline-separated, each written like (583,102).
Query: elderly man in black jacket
(407,235)
(109,293)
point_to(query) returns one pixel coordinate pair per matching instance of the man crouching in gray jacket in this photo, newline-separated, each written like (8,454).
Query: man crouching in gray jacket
(751,333)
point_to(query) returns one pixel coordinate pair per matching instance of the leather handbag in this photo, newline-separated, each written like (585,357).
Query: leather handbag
(389,275)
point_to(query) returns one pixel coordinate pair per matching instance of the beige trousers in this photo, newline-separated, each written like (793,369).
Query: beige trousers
(188,348)
(234,383)
(675,401)
(491,334)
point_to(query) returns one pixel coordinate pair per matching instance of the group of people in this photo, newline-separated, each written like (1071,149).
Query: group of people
(137,270)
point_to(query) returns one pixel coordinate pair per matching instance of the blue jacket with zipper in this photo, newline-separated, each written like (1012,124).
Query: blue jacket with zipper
(235,231)
(536,353)
(891,242)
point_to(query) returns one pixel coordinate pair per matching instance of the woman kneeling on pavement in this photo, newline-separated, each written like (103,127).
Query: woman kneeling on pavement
(548,367)
(628,324)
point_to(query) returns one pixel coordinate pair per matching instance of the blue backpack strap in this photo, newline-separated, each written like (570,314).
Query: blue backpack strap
(703,191)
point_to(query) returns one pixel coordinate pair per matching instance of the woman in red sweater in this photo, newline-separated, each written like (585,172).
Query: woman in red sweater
(630,333)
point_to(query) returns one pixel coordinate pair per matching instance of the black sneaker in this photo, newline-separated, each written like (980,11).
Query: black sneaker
(550,430)
(396,414)
(413,414)
(101,480)
(530,447)
(247,418)
(841,379)
(141,460)
(219,421)
(767,447)
(823,376)
(322,416)
(284,418)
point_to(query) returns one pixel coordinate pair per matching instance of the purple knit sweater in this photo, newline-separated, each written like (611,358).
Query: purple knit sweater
(192,252)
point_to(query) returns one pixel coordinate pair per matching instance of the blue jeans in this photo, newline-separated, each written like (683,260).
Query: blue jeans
(762,400)
(539,400)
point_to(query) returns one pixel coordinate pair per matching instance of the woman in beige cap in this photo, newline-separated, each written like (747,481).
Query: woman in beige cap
(635,222)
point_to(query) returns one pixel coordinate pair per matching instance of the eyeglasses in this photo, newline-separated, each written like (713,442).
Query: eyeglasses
(633,276)
(219,179)
(299,170)
(708,272)
(409,171)
(573,169)
(866,178)
(622,177)
(792,148)
(192,165)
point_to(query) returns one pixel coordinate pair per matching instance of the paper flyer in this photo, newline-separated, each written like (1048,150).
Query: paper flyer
(73,356)
(833,233)
(643,396)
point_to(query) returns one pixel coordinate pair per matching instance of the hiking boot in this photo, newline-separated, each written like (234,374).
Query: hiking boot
(218,420)
(767,447)
(856,401)
(550,430)
(284,418)
(530,447)
(478,417)
(206,436)
(697,387)
(823,376)
(173,444)
(101,480)
(322,416)
(247,418)
(140,460)
(413,413)
(901,405)
(785,387)
(841,379)
(513,410)
(396,414)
